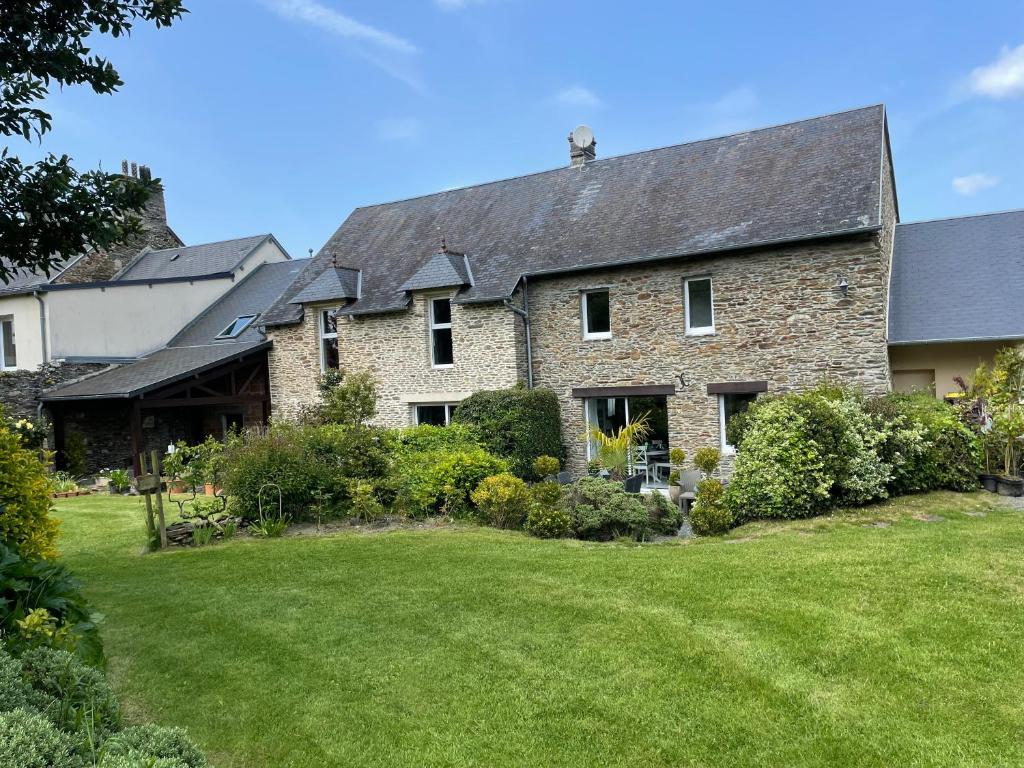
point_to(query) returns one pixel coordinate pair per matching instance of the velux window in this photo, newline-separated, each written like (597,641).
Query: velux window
(328,340)
(438,414)
(596,310)
(700,310)
(239,324)
(441,353)
(8,354)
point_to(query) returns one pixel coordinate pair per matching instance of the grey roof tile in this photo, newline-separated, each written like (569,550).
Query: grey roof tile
(190,261)
(333,283)
(442,270)
(25,280)
(811,178)
(958,279)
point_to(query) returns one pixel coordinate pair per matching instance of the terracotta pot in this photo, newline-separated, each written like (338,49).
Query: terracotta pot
(673,493)
(176,487)
(209,489)
(1010,486)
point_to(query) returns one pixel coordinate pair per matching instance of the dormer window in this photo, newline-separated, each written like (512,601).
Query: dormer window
(595,307)
(442,355)
(239,324)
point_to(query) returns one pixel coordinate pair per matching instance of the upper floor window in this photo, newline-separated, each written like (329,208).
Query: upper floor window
(8,354)
(238,325)
(328,340)
(596,310)
(441,353)
(700,310)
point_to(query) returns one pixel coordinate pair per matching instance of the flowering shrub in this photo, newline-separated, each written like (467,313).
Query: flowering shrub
(31,433)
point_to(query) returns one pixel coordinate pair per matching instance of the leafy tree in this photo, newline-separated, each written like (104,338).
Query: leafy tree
(48,210)
(349,399)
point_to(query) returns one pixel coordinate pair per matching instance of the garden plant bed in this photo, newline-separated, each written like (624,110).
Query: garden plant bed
(825,641)
(69,494)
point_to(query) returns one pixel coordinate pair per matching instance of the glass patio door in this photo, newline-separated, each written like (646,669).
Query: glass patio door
(609,414)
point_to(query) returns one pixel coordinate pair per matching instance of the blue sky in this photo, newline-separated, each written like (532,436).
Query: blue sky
(284,115)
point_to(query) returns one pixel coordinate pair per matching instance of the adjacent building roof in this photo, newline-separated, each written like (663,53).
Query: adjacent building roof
(194,260)
(958,279)
(26,280)
(196,348)
(814,178)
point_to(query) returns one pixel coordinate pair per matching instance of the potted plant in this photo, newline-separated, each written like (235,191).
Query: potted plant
(120,481)
(615,452)
(1003,391)
(676,456)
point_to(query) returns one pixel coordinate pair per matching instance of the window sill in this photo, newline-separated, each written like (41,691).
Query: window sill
(442,367)
(597,336)
(701,332)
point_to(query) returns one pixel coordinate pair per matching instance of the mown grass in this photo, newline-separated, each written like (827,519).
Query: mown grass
(814,643)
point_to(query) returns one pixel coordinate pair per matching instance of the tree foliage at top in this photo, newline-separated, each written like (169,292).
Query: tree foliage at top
(48,210)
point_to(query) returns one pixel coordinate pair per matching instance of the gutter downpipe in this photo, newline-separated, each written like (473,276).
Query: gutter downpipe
(42,325)
(525,314)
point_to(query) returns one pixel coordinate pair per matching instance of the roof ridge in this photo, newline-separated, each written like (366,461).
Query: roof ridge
(624,156)
(961,217)
(262,236)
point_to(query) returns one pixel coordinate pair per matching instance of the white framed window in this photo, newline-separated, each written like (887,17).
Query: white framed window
(442,354)
(728,406)
(8,351)
(235,328)
(700,306)
(596,316)
(438,414)
(328,340)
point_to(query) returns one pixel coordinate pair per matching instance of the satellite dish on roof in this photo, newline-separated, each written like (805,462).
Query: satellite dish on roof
(583,137)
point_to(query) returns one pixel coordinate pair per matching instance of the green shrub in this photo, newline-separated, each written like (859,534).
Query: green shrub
(804,453)
(516,424)
(664,517)
(440,481)
(709,515)
(135,759)
(25,520)
(548,517)
(707,460)
(307,463)
(28,584)
(427,437)
(926,443)
(15,693)
(348,399)
(601,510)
(156,741)
(363,502)
(78,696)
(502,501)
(29,740)
(546,466)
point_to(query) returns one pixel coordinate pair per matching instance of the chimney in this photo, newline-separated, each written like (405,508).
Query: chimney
(582,146)
(155,214)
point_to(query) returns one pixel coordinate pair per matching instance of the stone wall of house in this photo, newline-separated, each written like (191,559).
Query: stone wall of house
(778,317)
(396,347)
(20,390)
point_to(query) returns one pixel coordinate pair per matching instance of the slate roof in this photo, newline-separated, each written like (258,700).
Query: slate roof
(813,178)
(190,261)
(26,280)
(333,283)
(196,347)
(958,279)
(442,270)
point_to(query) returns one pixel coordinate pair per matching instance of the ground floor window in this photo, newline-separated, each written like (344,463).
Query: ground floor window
(8,354)
(728,406)
(438,414)
(609,414)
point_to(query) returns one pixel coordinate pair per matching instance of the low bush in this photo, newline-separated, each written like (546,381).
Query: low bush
(664,517)
(154,741)
(502,501)
(709,514)
(348,399)
(546,466)
(15,693)
(78,696)
(601,510)
(427,437)
(707,460)
(440,481)
(548,517)
(25,520)
(29,584)
(29,740)
(517,424)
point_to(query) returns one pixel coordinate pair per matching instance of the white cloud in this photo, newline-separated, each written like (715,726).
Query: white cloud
(383,49)
(399,129)
(735,110)
(578,96)
(974,183)
(1002,79)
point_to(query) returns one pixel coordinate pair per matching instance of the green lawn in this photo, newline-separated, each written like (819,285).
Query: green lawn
(825,642)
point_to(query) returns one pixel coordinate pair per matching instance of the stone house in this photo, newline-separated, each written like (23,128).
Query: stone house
(679,283)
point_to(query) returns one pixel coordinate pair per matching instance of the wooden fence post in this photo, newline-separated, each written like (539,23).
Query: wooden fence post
(155,455)
(150,525)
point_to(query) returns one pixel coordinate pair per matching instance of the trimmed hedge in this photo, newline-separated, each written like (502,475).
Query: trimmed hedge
(517,424)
